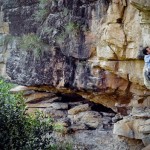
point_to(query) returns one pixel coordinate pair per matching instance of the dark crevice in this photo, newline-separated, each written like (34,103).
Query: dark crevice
(77,98)
(70,97)
(101,108)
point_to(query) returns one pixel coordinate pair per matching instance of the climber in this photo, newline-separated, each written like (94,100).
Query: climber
(146,70)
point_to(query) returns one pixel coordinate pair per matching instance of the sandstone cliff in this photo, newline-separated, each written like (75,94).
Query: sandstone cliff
(90,47)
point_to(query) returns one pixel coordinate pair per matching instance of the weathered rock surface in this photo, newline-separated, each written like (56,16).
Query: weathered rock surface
(136,126)
(59,106)
(100,140)
(91,49)
(18,89)
(78,109)
(89,118)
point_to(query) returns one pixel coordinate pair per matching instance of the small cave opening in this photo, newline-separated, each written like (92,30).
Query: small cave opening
(107,115)
(100,108)
(77,99)
(70,97)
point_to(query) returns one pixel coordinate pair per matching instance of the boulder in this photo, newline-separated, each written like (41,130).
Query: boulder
(76,127)
(124,128)
(133,127)
(37,96)
(58,106)
(55,113)
(89,118)
(19,89)
(78,109)
(38,105)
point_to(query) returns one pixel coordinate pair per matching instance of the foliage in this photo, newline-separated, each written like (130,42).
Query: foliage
(31,42)
(71,27)
(61,38)
(62,146)
(43,10)
(40,14)
(19,130)
(47,30)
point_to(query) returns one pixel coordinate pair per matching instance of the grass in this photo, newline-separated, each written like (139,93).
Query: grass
(71,27)
(31,42)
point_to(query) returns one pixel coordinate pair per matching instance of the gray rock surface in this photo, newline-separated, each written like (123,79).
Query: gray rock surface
(59,106)
(78,109)
(89,118)
(100,140)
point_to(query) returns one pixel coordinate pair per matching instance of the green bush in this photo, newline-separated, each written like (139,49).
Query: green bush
(19,131)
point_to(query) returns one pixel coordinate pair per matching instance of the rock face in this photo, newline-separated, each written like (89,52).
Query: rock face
(137,126)
(91,48)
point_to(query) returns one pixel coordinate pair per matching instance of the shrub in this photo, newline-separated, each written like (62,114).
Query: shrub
(42,11)
(19,131)
(72,27)
(31,42)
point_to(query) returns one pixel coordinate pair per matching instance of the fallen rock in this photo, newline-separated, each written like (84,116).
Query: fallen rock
(74,104)
(19,89)
(116,118)
(59,106)
(37,96)
(132,127)
(147,121)
(38,105)
(124,128)
(55,113)
(52,99)
(106,120)
(78,109)
(90,118)
(107,114)
(76,127)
